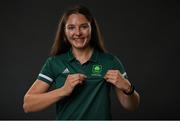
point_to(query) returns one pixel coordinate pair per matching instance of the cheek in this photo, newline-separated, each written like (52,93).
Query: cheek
(90,33)
(68,34)
(87,34)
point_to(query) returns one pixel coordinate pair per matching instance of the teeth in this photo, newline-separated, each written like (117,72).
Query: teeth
(77,39)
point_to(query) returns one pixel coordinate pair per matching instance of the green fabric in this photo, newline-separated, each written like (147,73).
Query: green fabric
(91,100)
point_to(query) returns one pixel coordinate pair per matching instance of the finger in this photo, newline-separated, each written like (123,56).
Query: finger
(78,80)
(72,78)
(84,76)
(116,73)
(79,77)
(113,71)
(110,76)
(76,83)
(111,81)
(110,73)
(105,76)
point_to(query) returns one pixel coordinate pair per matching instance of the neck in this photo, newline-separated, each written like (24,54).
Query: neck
(82,55)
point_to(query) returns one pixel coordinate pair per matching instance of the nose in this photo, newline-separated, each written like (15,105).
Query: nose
(78,32)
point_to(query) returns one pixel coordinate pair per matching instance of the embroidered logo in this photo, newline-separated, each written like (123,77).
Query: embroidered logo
(66,71)
(96,70)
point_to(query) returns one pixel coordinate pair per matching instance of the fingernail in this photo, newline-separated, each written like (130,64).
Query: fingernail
(84,76)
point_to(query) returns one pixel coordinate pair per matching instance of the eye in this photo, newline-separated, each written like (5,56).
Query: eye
(86,26)
(71,27)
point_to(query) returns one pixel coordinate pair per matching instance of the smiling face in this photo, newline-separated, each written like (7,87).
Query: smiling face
(78,31)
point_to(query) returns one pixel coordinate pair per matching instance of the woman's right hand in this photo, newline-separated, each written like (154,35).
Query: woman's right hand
(71,81)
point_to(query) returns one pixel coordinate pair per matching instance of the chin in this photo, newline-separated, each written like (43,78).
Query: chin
(80,45)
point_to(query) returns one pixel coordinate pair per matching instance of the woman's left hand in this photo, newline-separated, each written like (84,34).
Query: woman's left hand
(116,78)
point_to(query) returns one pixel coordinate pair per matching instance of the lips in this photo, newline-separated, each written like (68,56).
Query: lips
(78,39)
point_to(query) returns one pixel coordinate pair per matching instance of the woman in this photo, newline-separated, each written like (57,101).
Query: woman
(82,73)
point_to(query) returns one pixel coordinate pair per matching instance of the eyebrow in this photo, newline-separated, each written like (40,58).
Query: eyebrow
(79,25)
